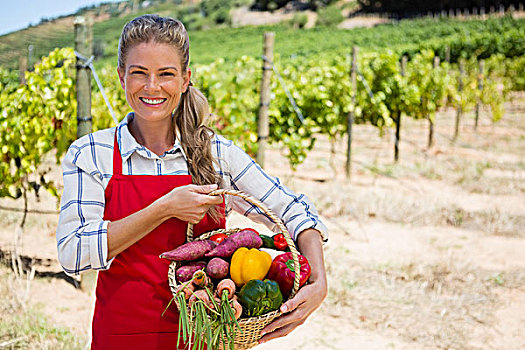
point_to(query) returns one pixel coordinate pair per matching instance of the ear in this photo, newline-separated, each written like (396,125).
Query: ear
(187,80)
(121,76)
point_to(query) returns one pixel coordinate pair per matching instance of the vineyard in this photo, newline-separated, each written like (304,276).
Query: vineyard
(423,90)
(36,117)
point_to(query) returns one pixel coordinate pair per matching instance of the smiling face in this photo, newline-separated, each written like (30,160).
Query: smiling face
(154,80)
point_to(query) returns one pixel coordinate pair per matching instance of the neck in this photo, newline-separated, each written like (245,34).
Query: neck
(157,136)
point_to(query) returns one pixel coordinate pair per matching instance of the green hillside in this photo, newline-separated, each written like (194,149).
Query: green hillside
(472,37)
(465,37)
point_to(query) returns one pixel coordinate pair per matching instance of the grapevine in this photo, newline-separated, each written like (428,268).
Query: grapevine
(36,120)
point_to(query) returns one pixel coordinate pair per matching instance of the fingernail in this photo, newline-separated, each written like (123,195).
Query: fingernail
(284,308)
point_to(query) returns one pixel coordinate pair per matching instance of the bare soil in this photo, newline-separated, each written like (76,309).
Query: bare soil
(242,16)
(423,254)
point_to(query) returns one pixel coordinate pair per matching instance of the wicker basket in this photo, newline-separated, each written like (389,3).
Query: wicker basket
(250,327)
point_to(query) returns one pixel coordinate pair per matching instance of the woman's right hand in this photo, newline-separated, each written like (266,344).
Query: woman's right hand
(190,203)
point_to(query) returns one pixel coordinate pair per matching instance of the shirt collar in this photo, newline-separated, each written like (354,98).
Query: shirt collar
(128,145)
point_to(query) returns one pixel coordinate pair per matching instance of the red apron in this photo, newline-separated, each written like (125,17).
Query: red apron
(132,294)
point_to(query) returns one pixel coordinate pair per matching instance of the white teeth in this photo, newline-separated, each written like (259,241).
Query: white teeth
(153,102)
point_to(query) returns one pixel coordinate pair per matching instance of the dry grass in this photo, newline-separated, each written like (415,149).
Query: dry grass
(421,209)
(23,324)
(434,305)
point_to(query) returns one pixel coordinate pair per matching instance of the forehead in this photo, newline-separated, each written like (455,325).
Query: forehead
(154,55)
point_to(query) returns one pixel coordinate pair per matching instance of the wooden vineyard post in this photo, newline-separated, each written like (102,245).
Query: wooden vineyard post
(351,115)
(398,117)
(135,6)
(30,49)
(511,10)
(430,121)
(263,123)
(22,68)
(480,88)
(460,108)
(84,46)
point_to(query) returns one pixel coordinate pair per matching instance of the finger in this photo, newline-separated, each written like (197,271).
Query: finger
(205,189)
(216,200)
(284,321)
(292,304)
(289,306)
(300,298)
(195,219)
(281,332)
(210,201)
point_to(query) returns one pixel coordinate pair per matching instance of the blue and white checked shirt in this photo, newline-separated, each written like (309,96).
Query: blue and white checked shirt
(88,167)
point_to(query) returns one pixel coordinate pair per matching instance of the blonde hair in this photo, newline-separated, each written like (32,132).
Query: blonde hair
(191,114)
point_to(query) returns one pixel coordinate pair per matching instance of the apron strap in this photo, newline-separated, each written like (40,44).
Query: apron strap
(117,159)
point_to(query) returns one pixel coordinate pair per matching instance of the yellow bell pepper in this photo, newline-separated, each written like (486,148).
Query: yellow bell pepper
(249,264)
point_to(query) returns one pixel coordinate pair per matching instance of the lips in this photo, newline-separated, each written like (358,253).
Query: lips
(153,101)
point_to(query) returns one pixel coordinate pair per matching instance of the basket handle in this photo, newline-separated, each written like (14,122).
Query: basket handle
(275,219)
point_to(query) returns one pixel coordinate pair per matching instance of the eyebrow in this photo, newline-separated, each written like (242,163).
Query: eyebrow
(166,68)
(144,68)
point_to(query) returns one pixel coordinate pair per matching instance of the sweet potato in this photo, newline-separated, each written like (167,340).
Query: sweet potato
(190,251)
(224,250)
(218,268)
(247,238)
(185,272)
(244,238)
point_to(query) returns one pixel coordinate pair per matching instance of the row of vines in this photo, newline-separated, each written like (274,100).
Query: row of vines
(38,118)
(322,90)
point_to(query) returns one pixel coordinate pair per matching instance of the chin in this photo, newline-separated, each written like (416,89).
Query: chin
(152,116)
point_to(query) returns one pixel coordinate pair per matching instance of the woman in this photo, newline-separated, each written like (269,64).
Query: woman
(130,191)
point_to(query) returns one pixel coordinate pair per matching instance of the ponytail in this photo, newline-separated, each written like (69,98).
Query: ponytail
(189,120)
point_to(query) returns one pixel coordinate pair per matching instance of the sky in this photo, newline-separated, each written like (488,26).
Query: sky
(18,14)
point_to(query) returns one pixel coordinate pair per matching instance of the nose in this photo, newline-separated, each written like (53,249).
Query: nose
(152,83)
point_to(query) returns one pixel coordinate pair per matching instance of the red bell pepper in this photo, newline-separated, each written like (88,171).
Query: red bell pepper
(282,271)
(218,237)
(280,242)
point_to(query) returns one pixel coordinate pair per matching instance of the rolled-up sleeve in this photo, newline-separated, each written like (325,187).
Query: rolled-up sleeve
(295,210)
(82,232)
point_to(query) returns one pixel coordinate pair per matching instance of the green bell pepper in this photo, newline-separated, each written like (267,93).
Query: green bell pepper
(259,297)
(267,241)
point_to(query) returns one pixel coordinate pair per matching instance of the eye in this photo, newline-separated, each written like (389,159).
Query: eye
(138,72)
(167,74)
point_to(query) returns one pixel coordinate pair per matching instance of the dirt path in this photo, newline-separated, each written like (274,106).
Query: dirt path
(424,254)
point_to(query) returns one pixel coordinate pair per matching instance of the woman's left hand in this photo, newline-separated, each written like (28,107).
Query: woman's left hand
(309,297)
(296,311)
